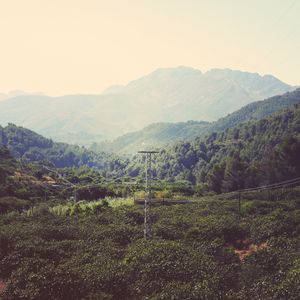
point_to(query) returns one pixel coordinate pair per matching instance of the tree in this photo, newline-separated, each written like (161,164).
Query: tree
(215,178)
(234,175)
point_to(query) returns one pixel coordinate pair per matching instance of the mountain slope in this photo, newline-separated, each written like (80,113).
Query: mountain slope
(32,147)
(257,110)
(166,95)
(20,180)
(250,154)
(161,134)
(153,136)
(192,95)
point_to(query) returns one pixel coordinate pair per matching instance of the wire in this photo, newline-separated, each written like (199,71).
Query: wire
(272,186)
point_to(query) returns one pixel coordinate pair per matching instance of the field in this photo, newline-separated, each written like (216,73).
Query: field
(203,250)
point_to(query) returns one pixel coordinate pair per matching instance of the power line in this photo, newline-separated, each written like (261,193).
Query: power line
(274,185)
(64,179)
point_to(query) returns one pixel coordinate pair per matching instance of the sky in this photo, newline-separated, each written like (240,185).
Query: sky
(84,46)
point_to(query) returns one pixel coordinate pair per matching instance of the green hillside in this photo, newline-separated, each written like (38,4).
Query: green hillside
(255,152)
(161,134)
(32,147)
(257,110)
(246,155)
(19,182)
(154,135)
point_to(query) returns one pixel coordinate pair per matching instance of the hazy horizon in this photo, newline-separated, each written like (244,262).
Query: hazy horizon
(39,93)
(84,47)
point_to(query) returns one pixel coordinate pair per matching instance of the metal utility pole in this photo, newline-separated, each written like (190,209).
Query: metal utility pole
(147,217)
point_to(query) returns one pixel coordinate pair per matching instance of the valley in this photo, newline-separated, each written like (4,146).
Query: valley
(224,210)
(149,150)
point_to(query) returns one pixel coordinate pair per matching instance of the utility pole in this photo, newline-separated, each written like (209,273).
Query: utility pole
(147,217)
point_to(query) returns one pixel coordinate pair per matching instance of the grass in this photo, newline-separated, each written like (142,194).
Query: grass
(84,207)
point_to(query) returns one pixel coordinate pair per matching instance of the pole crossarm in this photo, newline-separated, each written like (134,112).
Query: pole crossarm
(146,151)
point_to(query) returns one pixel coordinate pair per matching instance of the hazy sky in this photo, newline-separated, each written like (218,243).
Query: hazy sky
(83,46)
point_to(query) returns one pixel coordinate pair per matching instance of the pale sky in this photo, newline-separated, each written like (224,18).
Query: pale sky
(84,46)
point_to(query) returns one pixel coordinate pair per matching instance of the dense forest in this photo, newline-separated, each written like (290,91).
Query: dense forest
(247,155)
(30,146)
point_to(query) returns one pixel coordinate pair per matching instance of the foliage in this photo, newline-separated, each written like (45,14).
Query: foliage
(98,251)
(30,146)
(248,155)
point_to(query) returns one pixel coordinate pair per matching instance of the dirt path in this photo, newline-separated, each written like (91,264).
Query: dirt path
(243,248)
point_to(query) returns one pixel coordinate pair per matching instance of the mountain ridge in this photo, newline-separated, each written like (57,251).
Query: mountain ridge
(165,95)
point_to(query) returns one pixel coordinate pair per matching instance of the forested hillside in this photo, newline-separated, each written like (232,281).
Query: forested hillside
(246,155)
(23,184)
(161,134)
(257,110)
(30,146)
(154,135)
(7,164)
(19,182)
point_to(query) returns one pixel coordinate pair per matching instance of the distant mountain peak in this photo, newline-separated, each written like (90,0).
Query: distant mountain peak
(182,70)
(16,93)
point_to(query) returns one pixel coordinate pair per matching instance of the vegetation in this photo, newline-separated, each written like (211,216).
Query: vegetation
(30,146)
(170,94)
(258,110)
(256,152)
(159,135)
(69,228)
(248,155)
(100,253)
(154,135)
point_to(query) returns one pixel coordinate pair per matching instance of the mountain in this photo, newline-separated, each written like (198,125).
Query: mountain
(166,95)
(181,94)
(161,134)
(11,94)
(15,93)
